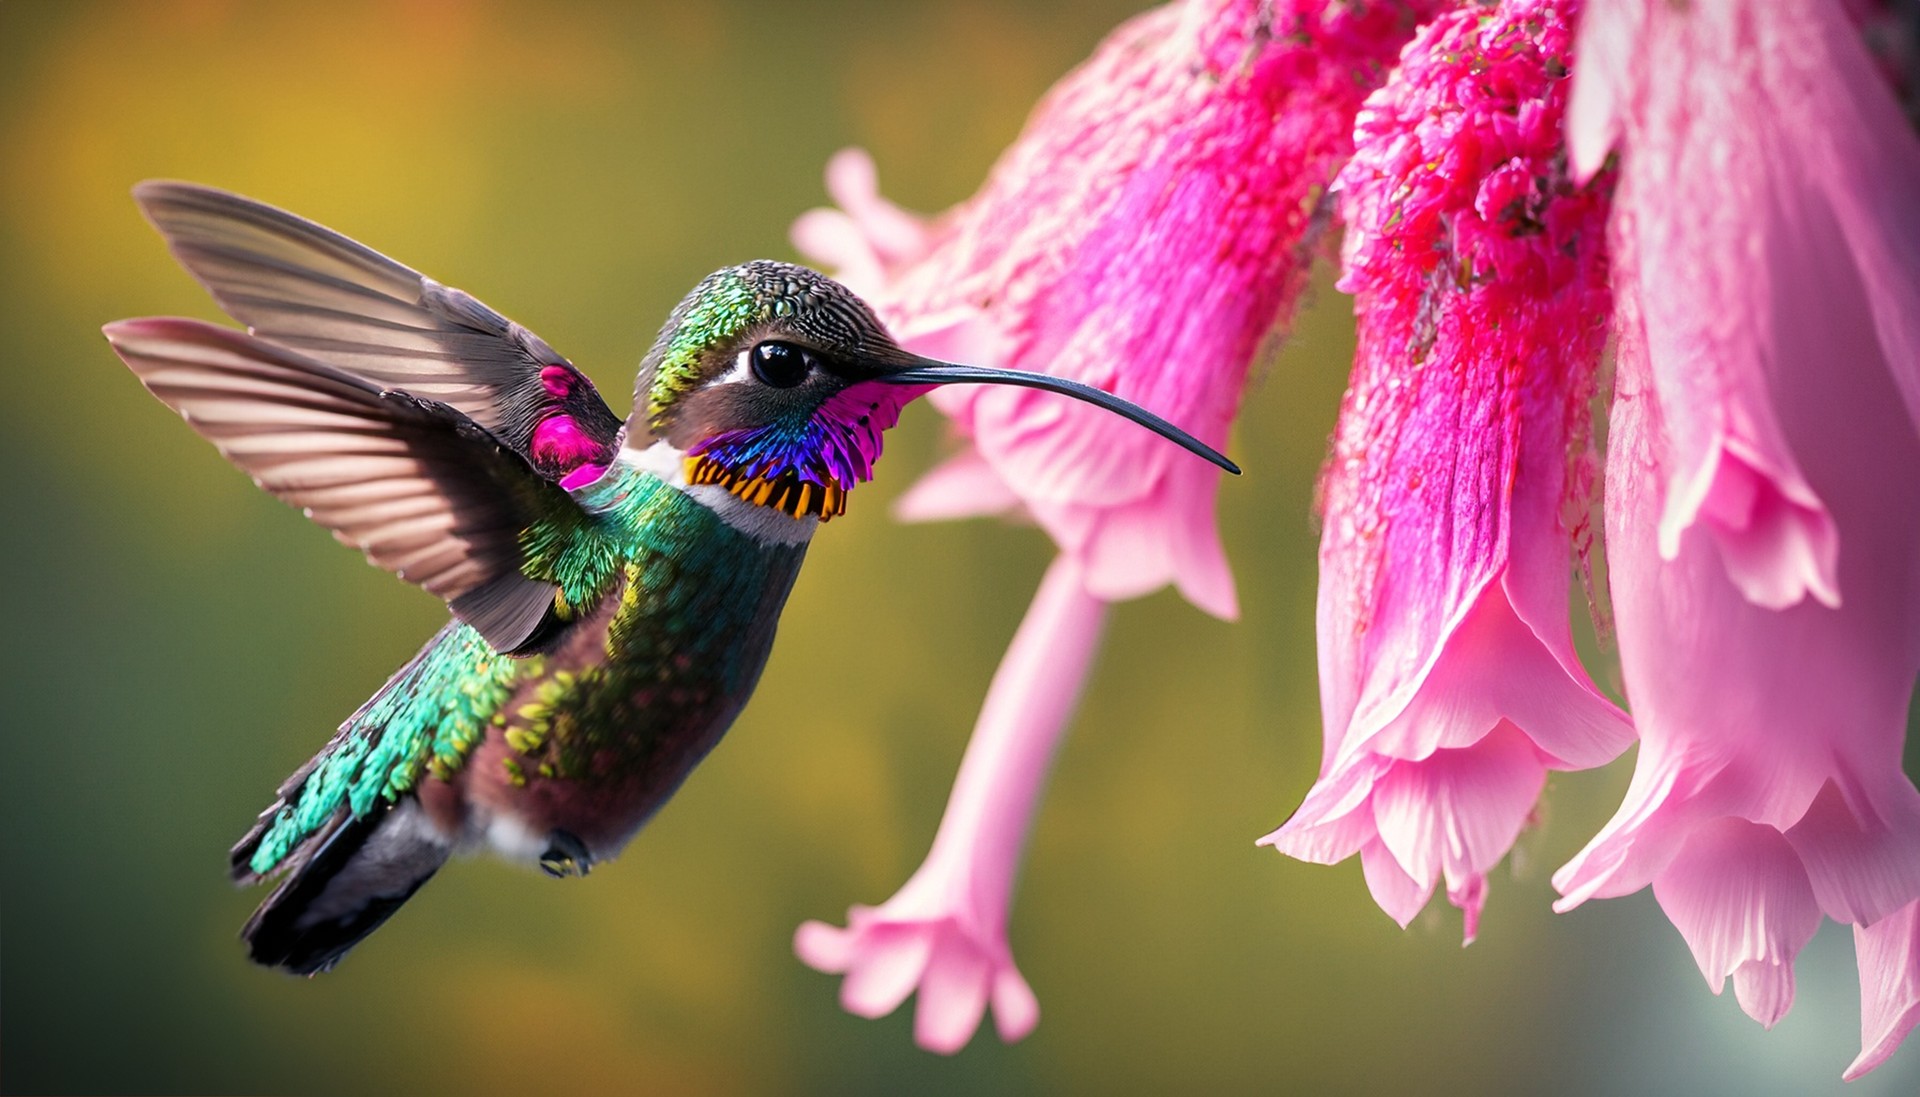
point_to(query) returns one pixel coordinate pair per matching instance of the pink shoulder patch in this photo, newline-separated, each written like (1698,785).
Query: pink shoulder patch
(557,380)
(558,441)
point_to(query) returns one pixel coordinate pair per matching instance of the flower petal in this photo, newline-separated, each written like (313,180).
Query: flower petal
(1015,1009)
(1458,811)
(1777,540)
(826,948)
(1335,821)
(953,996)
(1400,895)
(962,486)
(890,960)
(1889,955)
(1738,895)
(1863,861)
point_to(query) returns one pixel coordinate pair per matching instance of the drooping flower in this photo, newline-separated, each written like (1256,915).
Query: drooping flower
(945,930)
(1150,227)
(1457,485)
(1763,488)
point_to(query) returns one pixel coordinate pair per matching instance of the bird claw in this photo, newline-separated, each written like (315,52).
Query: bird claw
(566,856)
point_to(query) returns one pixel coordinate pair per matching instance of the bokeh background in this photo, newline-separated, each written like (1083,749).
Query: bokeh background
(175,641)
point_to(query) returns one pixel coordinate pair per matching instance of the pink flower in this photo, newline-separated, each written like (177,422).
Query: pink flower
(945,930)
(1145,234)
(1455,497)
(1763,489)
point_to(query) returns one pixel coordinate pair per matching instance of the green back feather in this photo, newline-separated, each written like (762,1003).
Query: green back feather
(428,716)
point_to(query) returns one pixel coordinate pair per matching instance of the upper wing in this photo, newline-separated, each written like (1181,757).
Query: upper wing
(414,484)
(298,285)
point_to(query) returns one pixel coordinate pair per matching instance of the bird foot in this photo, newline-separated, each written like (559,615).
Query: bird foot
(565,856)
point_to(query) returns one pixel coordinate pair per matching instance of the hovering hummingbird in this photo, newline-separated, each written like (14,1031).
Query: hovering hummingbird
(614,587)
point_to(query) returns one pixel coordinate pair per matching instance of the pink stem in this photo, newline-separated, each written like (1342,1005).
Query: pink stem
(1021,725)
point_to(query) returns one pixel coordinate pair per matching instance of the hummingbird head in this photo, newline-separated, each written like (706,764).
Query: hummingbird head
(778,384)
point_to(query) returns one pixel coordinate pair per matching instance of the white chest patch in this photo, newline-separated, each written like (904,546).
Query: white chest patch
(767,525)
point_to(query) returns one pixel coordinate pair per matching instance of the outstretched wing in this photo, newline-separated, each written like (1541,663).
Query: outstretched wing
(414,484)
(310,289)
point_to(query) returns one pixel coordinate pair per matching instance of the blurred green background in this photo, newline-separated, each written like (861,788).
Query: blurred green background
(177,641)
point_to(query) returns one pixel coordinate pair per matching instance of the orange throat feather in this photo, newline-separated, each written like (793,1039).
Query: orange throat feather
(787,492)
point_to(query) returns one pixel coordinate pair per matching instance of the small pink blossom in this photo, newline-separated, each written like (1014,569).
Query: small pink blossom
(1449,684)
(1150,228)
(1763,488)
(945,930)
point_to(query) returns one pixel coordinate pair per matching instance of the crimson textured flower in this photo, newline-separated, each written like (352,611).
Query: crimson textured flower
(1455,497)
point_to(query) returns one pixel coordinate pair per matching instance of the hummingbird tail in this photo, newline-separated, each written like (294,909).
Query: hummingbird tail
(342,884)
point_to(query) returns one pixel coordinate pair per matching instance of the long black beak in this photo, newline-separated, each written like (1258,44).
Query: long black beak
(945,373)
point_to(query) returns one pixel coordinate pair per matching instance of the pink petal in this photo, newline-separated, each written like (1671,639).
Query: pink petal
(1335,821)
(1776,539)
(867,242)
(854,184)
(1863,861)
(1764,988)
(1636,844)
(953,997)
(1889,955)
(1603,88)
(1199,559)
(1015,1009)
(1399,894)
(890,961)
(1459,811)
(825,948)
(963,486)
(834,240)
(1463,695)
(1738,895)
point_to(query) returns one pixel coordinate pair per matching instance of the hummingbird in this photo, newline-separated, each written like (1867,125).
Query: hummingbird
(614,585)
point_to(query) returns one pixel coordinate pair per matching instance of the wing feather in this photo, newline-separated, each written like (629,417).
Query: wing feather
(414,484)
(309,289)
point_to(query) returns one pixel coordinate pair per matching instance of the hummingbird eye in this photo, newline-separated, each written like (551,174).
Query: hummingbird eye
(781,365)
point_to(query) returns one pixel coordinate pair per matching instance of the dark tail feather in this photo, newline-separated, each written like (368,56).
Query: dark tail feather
(343,883)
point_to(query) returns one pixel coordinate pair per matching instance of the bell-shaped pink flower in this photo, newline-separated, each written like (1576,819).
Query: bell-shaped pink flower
(944,932)
(1147,232)
(1456,491)
(1763,488)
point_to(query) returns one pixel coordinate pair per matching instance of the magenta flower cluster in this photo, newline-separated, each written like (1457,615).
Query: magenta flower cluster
(1479,276)
(1722,192)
